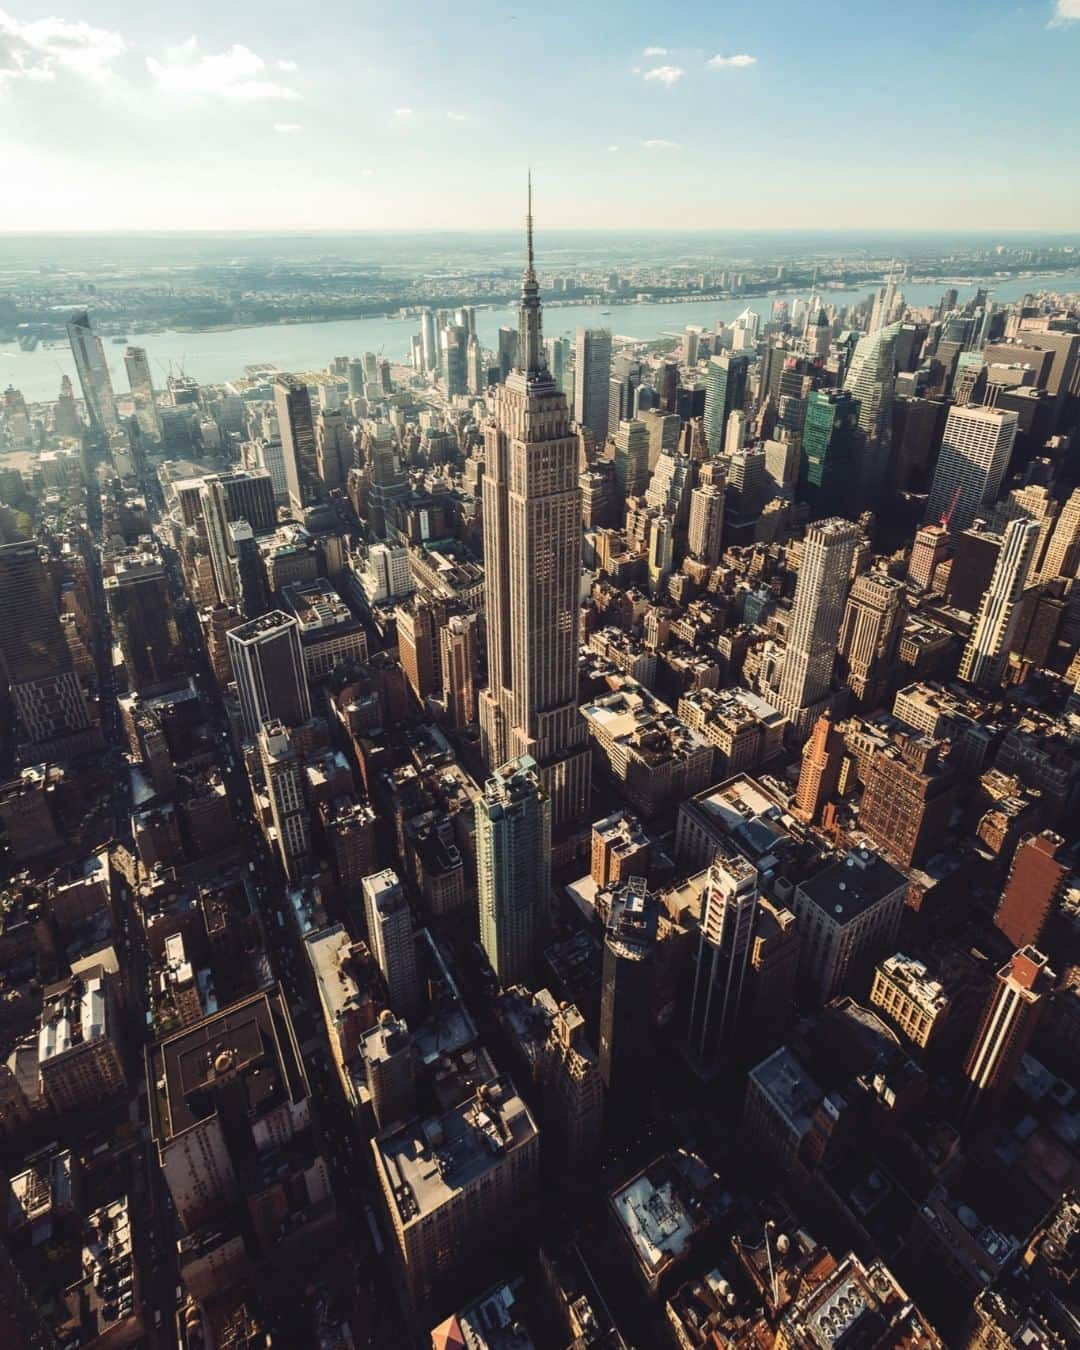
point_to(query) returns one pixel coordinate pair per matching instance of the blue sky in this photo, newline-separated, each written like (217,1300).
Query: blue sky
(417,115)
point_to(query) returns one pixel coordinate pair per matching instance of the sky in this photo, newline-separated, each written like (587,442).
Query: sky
(345,114)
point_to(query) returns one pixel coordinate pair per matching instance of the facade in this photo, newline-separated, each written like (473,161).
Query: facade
(848,916)
(1007,1026)
(268,666)
(828,469)
(458,658)
(820,594)
(329,633)
(908,799)
(513,860)
(1037,880)
(931,547)
(141,384)
(592,372)
(140,606)
(706,523)
(289,810)
(725,393)
(93,371)
(974,457)
(915,1004)
(727,928)
(987,650)
(822,756)
(631,459)
(627,996)
(870,635)
(390,937)
(532,559)
(292,400)
(620,849)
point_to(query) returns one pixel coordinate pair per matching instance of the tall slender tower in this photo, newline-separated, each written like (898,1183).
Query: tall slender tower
(1007,1026)
(93,370)
(987,649)
(870,633)
(727,926)
(532,557)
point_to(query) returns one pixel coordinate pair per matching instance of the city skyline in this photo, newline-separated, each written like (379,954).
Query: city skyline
(111,99)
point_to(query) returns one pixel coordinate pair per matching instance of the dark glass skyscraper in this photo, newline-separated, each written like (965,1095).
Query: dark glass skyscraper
(829,466)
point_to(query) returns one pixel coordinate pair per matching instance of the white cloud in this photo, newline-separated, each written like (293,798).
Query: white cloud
(1065,12)
(655,51)
(657,143)
(613,147)
(287,65)
(739,62)
(288,128)
(37,49)
(233,75)
(404,115)
(668,75)
(457,117)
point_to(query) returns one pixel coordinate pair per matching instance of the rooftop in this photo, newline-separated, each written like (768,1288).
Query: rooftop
(846,890)
(788,1085)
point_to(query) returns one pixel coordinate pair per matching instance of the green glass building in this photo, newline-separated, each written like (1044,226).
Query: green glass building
(829,467)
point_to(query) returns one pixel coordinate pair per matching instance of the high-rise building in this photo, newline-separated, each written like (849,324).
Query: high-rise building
(513,863)
(79,1044)
(916,1005)
(1037,879)
(508,351)
(930,548)
(725,392)
(987,649)
(66,419)
(1007,1026)
(532,560)
(268,665)
(429,341)
(454,345)
(93,372)
(592,371)
(458,656)
(820,594)
(284,776)
(974,456)
(390,937)
(870,378)
(706,523)
(1062,557)
(727,927)
(249,570)
(334,449)
(869,635)
(292,399)
(909,799)
(216,519)
(620,849)
(822,757)
(475,371)
(631,459)
(34,657)
(144,623)
(141,384)
(829,466)
(627,996)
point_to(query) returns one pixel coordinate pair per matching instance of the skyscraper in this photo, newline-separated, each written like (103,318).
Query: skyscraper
(508,351)
(1036,881)
(931,547)
(627,997)
(428,341)
(141,384)
(975,450)
(870,633)
(268,665)
(1007,1026)
(725,392)
(532,559)
(822,756)
(631,459)
(390,937)
(870,378)
(215,513)
(706,523)
(513,862)
(292,400)
(820,594)
(829,466)
(727,927)
(144,623)
(284,777)
(93,371)
(249,570)
(592,372)
(1063,549)
(457,651)
(34,657)
(454,344)
(987,649)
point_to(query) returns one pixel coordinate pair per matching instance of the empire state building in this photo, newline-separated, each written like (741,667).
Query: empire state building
(532,556)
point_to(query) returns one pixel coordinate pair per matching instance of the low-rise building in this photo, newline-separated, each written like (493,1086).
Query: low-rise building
(915,1003)
(78,1055)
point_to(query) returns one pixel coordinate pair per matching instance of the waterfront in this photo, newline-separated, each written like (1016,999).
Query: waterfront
(214,357)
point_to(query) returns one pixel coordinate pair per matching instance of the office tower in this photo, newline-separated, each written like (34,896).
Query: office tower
(141,384)
(631,459)
(454,344)
(34,657)
(1036,882)
(292,399)
(284,776)
(727,926)
(822,756)
(820,593)
(417,620)
(974,457)
(848,916)
(725,392)
(144,623)
(93,372)
(475,372)
(627,998)
(334,448)
(620,849)
(248,494)
(667,386)
(355,375)
(869,635)
(458,655)
(508,351)
(429,341)
(930,548)
(735,432)
(66,419)
(829,468)
(559,352)
(1063,550)
(270,456)
(987,650)
(706,523)
(870,378)
(215,516)
(908,799)
(268,666)
(248,570)
(389,1055)
(513,863)
(532,559)
(387,574)
(390,937)
(661,553)
(592,371)
(1007,1026)
(670,486)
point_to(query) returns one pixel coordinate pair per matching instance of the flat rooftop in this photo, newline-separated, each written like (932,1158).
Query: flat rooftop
(789,1086)
(845,890)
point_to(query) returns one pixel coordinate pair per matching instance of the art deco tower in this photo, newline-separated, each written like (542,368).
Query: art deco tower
(532,557)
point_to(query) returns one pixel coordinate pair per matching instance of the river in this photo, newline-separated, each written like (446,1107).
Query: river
(213,358)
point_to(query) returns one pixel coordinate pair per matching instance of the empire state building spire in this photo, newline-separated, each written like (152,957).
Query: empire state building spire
(530,326)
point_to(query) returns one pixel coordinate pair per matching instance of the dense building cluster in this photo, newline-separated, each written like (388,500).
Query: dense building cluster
(568,844)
